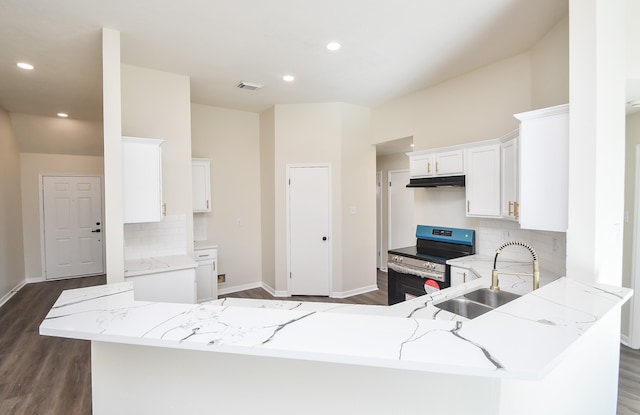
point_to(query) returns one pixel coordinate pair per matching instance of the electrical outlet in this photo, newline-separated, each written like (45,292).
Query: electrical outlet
(222,278)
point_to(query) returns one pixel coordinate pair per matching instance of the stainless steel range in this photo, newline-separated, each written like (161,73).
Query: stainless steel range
(416,270)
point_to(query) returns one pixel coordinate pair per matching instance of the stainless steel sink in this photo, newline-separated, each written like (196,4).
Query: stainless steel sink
(476,303)
(464,307)
(493,299)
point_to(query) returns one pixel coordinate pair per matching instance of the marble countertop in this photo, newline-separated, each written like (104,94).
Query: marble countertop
(414,335)
(155,265)
(204,245)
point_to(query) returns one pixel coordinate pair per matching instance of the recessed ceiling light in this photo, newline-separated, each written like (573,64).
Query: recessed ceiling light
(333,46)
(411,145)
(63,115)
(288,78)
(25,65)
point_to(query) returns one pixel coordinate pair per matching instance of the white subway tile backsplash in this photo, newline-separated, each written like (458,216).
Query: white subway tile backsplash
(164,238)
(549,246)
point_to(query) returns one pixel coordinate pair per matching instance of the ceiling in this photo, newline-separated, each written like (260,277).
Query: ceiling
(389,48)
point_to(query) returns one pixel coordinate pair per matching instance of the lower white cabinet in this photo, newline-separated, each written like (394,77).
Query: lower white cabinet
(206,274)
(461,275)
(176,286)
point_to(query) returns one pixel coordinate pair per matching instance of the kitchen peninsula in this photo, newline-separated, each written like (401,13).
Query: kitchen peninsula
(553,350)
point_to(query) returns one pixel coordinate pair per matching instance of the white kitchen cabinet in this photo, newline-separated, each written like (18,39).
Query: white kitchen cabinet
(483,179)
(544,168)
(206,274)
(201,176)
(177,286)
(436,163)
(460,275)
(509,177)
(142,179)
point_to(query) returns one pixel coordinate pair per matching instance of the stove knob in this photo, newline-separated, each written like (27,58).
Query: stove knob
(400,259)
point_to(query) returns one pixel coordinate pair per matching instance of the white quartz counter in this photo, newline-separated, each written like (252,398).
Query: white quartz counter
(154,265)
(412,335)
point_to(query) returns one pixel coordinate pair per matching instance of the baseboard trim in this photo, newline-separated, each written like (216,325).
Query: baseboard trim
(357,291)
(236,288)
(35,279)
(384,269)
(12,292)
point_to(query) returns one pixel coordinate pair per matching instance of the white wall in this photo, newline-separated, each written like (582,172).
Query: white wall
(231,139)
(158,105)
(11,246)
(31,167)
(550,67)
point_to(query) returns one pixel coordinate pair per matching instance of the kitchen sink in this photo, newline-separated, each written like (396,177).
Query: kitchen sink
(464,307)
(476,303)
(493,299)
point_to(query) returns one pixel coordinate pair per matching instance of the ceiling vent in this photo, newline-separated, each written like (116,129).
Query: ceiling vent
(249,86)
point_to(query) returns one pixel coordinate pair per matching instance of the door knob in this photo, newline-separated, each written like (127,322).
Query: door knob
(324,238)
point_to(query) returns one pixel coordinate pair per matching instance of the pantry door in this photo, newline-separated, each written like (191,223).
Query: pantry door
(401,224)
(72,219)
(309,242)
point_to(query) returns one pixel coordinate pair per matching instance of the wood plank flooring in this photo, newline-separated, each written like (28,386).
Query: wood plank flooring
(51,376)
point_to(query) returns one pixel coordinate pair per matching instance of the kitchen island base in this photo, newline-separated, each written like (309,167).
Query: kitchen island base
(134,379)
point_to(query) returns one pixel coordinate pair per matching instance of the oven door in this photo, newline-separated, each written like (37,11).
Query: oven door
(404,286)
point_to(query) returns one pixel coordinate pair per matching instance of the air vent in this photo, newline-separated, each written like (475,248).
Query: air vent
(249,86)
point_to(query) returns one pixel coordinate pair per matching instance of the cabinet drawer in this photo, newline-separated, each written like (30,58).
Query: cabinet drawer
(203,254)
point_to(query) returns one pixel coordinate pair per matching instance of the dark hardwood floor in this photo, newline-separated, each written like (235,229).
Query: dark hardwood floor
(47,375)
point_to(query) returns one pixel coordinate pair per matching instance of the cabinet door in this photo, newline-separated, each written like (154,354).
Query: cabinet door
(205,281)
(458,276)
(142,179)
(449,162)
(509,179)
(421,166)
(201,176)
(544,169)
(483,180)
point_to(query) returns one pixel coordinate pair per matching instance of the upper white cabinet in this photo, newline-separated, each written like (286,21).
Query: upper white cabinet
(509,176)
(544,168)
(142,179)
(483,179)
(201,176)
(439,163)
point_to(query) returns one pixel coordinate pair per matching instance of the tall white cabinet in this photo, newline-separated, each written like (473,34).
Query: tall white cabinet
(142,179)
(544,168)
(201,176)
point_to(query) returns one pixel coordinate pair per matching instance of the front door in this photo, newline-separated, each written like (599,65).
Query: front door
(73,238)
(309,243)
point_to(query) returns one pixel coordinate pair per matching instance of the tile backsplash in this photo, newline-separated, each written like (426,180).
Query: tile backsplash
(549,246)
(164,238)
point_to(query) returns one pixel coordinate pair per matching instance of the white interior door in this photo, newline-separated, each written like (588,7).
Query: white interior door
(309,242)
(72,216)
(401,224)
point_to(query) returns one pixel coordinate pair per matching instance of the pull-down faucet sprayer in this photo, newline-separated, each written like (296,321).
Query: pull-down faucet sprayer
(536,269)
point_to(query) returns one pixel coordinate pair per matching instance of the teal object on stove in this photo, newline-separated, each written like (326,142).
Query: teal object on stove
(452,235)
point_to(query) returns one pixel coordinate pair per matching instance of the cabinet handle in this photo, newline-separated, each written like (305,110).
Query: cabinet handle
(516,212)
(428,167)
(164,209)
(510,205)
(436,166)
(464,277)
(468,206)
(207,204)
(203,256)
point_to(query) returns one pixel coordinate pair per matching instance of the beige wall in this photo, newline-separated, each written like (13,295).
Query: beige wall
(11,246)
(632,141)
(550,67)
(230,139)
(158,105)
(335,134)
(267,197)
(32,166)
(472,107)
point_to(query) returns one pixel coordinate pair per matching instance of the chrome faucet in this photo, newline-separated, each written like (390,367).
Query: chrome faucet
(536,268)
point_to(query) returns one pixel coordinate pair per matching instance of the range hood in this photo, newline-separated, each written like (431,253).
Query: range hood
(438,181)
